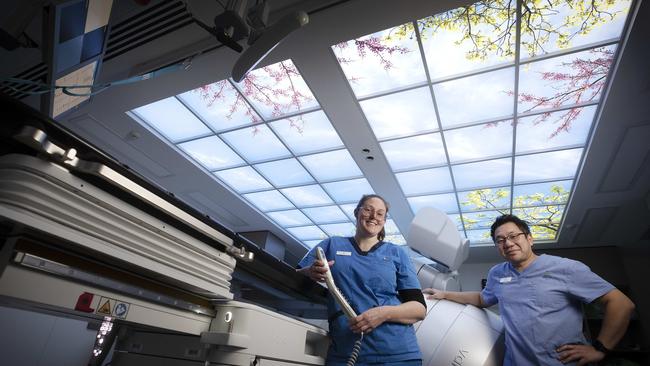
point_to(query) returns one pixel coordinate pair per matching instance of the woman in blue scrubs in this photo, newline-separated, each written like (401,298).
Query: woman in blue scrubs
(380,284)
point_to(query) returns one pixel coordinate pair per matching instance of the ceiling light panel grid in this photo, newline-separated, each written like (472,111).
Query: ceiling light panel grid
(478,125)
(267,140)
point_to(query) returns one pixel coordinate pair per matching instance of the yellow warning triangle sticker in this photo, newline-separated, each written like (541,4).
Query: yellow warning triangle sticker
(105,308)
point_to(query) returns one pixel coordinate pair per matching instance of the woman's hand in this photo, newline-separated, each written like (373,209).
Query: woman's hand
(368,320)
(317,270)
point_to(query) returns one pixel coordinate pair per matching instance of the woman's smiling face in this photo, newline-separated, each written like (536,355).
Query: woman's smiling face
(371,217)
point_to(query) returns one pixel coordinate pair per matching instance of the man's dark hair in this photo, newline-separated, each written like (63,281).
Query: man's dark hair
(504,219)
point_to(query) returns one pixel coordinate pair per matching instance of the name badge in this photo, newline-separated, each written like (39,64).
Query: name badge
(342,252)
(505,279)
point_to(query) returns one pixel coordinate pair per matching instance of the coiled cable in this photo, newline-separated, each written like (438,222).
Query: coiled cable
(355,351)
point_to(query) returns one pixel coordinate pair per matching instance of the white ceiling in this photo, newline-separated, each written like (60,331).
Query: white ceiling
(610,204)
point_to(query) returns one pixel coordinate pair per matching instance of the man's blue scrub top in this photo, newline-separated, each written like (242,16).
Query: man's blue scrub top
(368,280)
(541,306)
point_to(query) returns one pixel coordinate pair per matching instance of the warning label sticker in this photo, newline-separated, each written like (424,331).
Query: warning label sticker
(106,306)
(112,307)
(121,309)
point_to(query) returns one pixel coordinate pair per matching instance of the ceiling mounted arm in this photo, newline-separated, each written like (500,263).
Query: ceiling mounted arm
(231,25)
(238,22)
(271,37)
(219,33)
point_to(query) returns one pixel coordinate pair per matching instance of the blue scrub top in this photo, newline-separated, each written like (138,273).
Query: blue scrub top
(541,306)
(368,280)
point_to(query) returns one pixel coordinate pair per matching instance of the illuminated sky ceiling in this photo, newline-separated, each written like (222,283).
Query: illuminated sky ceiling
(479,111)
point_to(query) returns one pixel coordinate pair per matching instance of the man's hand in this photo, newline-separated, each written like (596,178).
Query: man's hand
(581,353)
(469,297)
(434,294)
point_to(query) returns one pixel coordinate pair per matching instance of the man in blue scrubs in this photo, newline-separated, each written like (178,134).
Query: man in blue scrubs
(540,301)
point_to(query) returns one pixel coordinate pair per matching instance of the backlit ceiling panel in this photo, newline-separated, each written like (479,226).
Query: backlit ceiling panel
(479,111)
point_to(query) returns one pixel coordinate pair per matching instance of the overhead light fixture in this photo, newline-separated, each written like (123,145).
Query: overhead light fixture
(238,22)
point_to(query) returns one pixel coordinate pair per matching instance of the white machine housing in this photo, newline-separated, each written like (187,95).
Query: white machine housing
(434,235)
(44,195)
(240,334)
(451,333)
(456,334)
